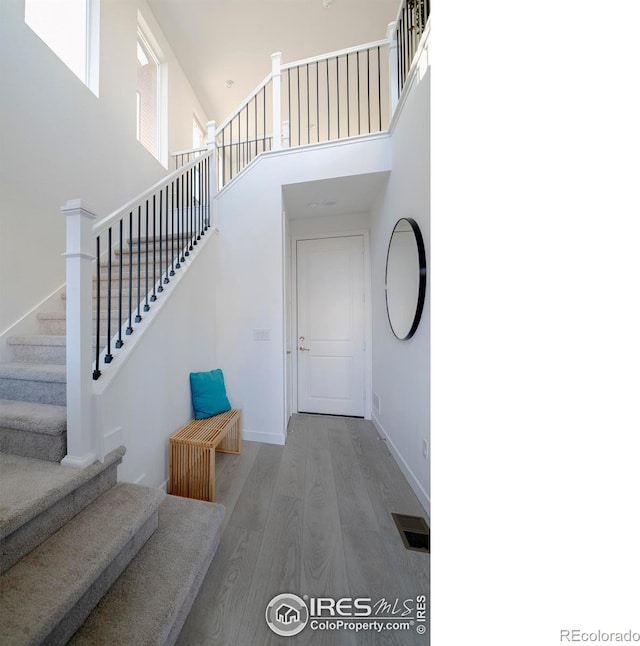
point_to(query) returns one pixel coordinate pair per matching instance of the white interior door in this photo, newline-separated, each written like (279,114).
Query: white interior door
(331,325)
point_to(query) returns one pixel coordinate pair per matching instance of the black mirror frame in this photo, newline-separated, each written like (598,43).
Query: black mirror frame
(422,284)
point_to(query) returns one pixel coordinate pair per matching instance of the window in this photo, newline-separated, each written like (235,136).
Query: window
(151,96)
(198,134)
(147,96)
(70,29)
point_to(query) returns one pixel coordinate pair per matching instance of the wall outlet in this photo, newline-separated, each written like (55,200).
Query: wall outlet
(425,449)
(262,335)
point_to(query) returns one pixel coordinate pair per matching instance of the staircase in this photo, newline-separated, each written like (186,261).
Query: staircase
(33,384)
(85,559)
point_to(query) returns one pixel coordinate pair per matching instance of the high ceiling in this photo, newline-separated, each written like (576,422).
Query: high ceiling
(231,40)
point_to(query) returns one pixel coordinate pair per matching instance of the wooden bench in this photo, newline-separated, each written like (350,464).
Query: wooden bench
(192,454)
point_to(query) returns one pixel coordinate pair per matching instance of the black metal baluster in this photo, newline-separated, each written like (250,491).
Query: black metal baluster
(166,235)
(328,104)
(368,93)
(289,103)
(223,160)
(358,74)
(120,342)
(238,166)
(189,214)
(183,234)
(348,101)
(174,229)
(298,115)
(160,287)
(231,150)
(379,95)
(206,192)
(146,307)
(96,370)
(138,316)
(129,328)
(108,357)
(192,236)
(399,83)
(308,110)
(153,252)
(338,93)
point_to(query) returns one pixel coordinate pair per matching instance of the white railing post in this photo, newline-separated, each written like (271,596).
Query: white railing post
(393,67)
(276,81)
(212,145)
(81,450)
(286,135)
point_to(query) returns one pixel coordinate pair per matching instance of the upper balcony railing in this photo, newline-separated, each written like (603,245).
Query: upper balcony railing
(410,25)
(342,94)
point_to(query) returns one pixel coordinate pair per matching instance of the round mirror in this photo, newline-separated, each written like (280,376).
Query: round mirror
(406,278)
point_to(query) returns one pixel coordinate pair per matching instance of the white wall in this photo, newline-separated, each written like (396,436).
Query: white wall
(250,271)
(401,377)
(59,141)
(144,396)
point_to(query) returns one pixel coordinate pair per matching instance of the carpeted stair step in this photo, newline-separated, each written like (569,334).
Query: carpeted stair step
(55,323)
(37,498)
(33,430)
(40,348)
(47,595)
(34,382)
(150,601)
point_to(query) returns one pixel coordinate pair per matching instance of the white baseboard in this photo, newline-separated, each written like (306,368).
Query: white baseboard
(418,489)
(164,486)
(265,438)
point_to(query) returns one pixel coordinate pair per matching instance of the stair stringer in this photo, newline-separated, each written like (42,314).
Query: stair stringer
(143,396)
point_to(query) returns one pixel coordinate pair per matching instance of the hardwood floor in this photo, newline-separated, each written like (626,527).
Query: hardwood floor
(311,518)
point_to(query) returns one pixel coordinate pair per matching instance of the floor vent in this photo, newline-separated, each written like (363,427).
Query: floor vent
(414,532)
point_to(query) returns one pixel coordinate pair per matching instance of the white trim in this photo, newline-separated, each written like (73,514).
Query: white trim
(295,149)
(140,479)
(341,52)
(421,494)
(368,312)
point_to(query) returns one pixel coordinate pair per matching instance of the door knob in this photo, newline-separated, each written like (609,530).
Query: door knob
(303,349)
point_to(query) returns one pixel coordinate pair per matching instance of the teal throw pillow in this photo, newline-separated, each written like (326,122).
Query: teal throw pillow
(208,394)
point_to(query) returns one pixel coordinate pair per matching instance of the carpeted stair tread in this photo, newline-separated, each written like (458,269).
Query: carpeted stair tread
(28,487)
(33,371)
(31,416)
(47,595)
(38,339)
(150,601)
(37,498)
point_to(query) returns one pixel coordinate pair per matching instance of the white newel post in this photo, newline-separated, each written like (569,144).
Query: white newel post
(276,80)
(393,67)
(81,450)
(212,126)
